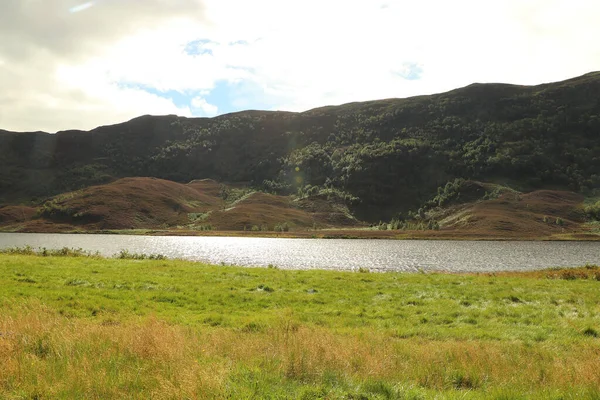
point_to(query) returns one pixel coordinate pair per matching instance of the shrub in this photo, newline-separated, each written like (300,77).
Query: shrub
(593,211)
(382,226)
(44,252)
(514,299)
(328,193)
(591,332)
(447,193)
(397,224)
(265,288)
(127,255)
(433,225)
(282,227)
(27,250)
(568,275)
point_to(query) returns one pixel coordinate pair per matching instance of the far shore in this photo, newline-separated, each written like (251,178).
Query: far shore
(338,234)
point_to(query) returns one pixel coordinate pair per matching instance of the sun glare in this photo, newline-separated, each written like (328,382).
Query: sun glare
(81,7)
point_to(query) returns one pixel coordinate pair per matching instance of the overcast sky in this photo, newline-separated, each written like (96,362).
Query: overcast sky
(69,64)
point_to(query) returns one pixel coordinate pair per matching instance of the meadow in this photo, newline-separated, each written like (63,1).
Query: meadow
(75,326)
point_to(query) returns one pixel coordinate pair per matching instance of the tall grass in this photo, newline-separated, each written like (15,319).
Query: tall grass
(110,328)
(62,252)
(71,252)
(50,356)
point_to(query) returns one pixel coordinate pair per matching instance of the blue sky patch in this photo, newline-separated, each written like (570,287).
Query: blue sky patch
(180,99)
(410,71)
(226,96)
(220,97)
(239,96)
(239,43)
(198,47)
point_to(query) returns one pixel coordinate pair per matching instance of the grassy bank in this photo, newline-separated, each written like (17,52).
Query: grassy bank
(85,327)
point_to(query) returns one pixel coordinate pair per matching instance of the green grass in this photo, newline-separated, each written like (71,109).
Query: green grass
(189,330)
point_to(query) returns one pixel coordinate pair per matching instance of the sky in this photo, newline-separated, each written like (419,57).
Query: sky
(76,64)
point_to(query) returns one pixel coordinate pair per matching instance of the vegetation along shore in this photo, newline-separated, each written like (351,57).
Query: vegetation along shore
(76,325)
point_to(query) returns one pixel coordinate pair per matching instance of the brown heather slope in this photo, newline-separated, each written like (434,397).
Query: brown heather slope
(128,203)
(151,203)
(174,208)
(208,187)
(514,214)
(262,209)
(12,214)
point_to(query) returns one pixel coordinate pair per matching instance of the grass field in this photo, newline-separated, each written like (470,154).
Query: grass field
(84,327)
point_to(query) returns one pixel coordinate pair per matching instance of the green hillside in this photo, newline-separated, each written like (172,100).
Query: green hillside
(382,157)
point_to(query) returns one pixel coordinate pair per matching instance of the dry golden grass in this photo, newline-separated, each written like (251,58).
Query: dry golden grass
(591,272)
(51,356)
(47,355)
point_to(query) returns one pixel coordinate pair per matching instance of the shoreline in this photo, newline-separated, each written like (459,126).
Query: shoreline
(337,234)
(580,270)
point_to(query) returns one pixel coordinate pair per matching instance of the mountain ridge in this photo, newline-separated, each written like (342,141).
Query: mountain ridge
(249,111)
(391,155)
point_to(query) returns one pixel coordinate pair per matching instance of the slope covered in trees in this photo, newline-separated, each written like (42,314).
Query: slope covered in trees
(382,158)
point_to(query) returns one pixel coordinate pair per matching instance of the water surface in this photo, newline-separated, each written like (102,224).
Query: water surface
(338,254)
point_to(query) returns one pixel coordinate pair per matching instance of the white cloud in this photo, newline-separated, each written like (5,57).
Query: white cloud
(43,46)
(206,109)
(64,70)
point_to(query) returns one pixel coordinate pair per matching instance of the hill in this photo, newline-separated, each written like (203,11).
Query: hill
(464,209)
(381,158)
(151,203)
(508,213)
